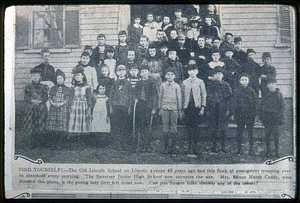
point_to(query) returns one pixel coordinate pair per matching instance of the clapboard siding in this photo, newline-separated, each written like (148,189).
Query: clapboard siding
(257,25)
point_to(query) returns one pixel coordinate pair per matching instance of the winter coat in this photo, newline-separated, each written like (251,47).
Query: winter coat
(240,56)
(270,72)
(48,72)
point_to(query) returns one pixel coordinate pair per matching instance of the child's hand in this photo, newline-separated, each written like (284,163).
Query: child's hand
(107,119)
(201,113)
(232,118)
(227,113)
(153,111)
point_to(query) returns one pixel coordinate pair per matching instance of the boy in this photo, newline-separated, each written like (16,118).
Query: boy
(175,65)
(201,52)
(133,75)
(245,104)
(98,54)
(180,23)
(232,67)
(266,71)
(217,42)
(194,103)
(208,42)
(170,107)
(227,43)
(272,108)
(173,37)
(142,49)
(47,71)
(239,55)
(146,97)
(164,52)
(218,105)
(135,31)
(122,48)
(120,103)
(183,52)
(110,61)
(130,58)
(208,29)
(190,42)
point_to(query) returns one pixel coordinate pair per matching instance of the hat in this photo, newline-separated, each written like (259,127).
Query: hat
(192,67)
(265,55)
(181,36)
(271,80)
(133,66)
(144,67)
(229,48)
(121,67)
(228,33)
(170,70)
(88,47)
(194,19)
(35,70)
(59,72)
(77,69)
(237,39)
(244,75)
(250,51)
(218,69)
(214,50)
(45,49)
(217,38)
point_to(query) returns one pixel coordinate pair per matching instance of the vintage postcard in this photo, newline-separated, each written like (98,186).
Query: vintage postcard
(150,101)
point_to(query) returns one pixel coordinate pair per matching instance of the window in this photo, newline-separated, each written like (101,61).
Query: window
(284,25)
(53,26)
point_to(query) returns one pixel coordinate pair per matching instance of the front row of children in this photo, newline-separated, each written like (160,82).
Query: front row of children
(79,111)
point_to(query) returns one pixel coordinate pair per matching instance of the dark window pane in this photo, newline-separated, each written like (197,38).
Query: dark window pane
(284,24)
(22,28)
(72,27)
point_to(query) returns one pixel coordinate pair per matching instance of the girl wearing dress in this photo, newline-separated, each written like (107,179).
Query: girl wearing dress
(57,120)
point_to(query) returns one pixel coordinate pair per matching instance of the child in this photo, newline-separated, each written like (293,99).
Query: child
(131,59)
(195,28)
(133,75)
(208,71)
(272,108)
(36,96)
(164,52)
(217,42)
(146,96)
(190,42)
(135,31)
(158,21)
(208,29)
(218,104)
(239,55)
(180,23)
(245,103)
(142,49)
(105,79)
(232,67)
(170,108)
(194,103)
(174,65)
(183,52)
(167,26)
(80,106)
(161,37)
(110,61)
(211,11)
(100,124)
(208,42)
(173,37)
(98,54)
(122,48)
(57,120)
(150,28)
(201,52)
(120,103)
(89,72)
(266,71)
(227,43)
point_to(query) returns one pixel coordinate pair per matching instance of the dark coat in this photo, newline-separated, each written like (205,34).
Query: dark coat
(177,67)
(183,54)
(270,72)
(150,90)
(251,68)
(202,52)
(231,68)
(209,31)
(48,72)
(224,45)
(120,94)
(98,57)
(66,90)
(135,34)
(240,56)
(121,53)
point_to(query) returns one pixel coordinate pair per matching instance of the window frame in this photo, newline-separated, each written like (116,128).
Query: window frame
(278,40)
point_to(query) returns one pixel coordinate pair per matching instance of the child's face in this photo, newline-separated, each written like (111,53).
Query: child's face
(137,20)
(218,76)
(173,34)
(211,8)
(201,42)
(144,73)
(110,55)
(46,57)
(193,73)
(150,18)
(79,77)
(178,14)
(272,86)
(251,55)
(143,42)
(164,50)
(217,43)
(229,38)
(85,60)
(172,55)
(229,54)
(158,18)
(170,76)
(215,56)
(105,71)
(192,62)
(101,90)
(160,35)
(152,52)
(208,21)
(244,81)
(35,77)
(121,73)
(190,34)
(60,80)
(238,46)
(101,41)
(122,38)
(181,42)
(267,61)
(195,24)
(208,40)
(166,20)
(134,72)
(131,55)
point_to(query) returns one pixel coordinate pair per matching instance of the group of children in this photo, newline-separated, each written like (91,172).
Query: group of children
(161,70)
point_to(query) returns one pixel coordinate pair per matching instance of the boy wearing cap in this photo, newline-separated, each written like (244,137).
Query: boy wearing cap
(272,108)
(219,94)
(47,71)
(266,71)
(194,103)
(174,64)
(228,43)
(170,108)
(98,54)
(244,106)
(232,67)
(182,51)
(239,55)
(146,96)
(120,104)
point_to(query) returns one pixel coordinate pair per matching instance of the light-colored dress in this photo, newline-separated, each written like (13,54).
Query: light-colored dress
(99,123)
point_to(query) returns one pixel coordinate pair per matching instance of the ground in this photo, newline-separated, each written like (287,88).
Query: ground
(107,154)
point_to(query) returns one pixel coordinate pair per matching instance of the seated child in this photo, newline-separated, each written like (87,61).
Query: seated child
(36,96)
(180,23)
(98,54)
(266,71)
(174,65)
(135,31)
(170,108)
(133,77)
(218,104)
(195,28)
(173,37)
(150,28)
(131,59)
(239,55)
(182,50)
(232,68)
(245,104)
(201,52)
(272,114)
(227,43)
(122,48)
(194,103)
(167,26)
(142,49)
(208,42)
(110,61)
(158,21)
(217,42)
(211,11)
(208,29)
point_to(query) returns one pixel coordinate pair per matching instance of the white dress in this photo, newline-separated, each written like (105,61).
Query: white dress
(99,123)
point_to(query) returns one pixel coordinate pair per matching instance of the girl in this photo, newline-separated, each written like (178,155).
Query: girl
(136,31)
(122,48)
(57,120)
(195,28)
(167,26)
(211,11)
(80,105)
(104,78)
(36,96)
(100,117)
(150,28)
(111,62)
(173,37)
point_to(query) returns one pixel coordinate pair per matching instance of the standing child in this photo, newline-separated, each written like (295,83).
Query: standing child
(266,71)
(122,48)
(158,21)
(239,55)
(98,54)
(57,120)
(195,28)
(167,26)
(142,50)
(120,107)
(212,12)
(150,27)
(183,52)
(245,104)
(217,43)
(170,106)
(174,65)
(173,37)
(180,23)
(190,42)
(272,108)
(208,29)
(218,104)
(110,61)
(36,96)
(134,77)
(135,31)
(80,107)
(105,79)
(208,72)
(131,59)
(164,52)
(194,103)
(228,43)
